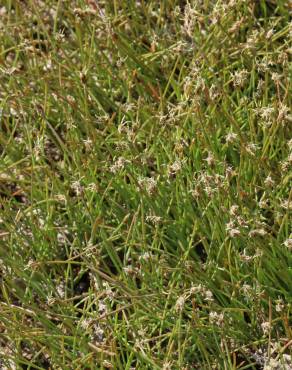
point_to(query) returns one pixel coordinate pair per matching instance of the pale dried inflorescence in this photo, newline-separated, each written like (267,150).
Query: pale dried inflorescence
(197,289)
(153,219)
(149,184)
(61,289)
(231,137)
(240,77)
(232,230)
(280,305)
(283,115)
(247,290)
(251,149)
(175,167)
(266,327)
(288,243)
(257,232)
(77,187)
(208,296)
(119,165)
(92,187)
(180,303)
(269,182)
(88,143)
(234,210)
(286,204)
(210,159)
(282,362)
(216,318)
(189,20)
(146,256)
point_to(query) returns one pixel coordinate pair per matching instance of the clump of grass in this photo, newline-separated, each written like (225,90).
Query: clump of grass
(145,178)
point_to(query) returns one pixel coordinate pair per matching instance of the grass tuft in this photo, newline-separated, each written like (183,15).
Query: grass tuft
(145,184)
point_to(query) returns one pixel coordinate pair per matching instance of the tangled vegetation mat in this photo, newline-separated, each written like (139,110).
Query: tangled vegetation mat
(145,184)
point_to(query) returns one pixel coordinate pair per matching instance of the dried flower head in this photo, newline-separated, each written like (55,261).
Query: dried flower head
(283,113)
(190,19)
(216,318)
(155,220)
(180,303)
(266,327)
(119,165)
(280,305)
(255,232)
(288,243)
(61,289)
(269,182)
(239,77)
(232,230)
(77,188)
(251,149)
(145,256)
(175,167)
(149,183)
(231,137)
(247,290)
(208,295)
(234,210)
(210,159)
(272,364)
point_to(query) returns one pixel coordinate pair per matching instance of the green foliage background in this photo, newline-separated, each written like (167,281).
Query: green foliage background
(145,183)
